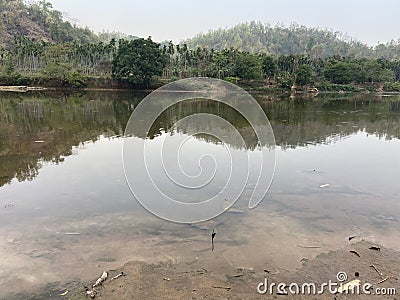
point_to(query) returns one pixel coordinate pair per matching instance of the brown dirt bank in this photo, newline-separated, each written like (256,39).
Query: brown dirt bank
(177,281)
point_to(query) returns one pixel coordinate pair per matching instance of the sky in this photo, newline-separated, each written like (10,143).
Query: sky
(367,21)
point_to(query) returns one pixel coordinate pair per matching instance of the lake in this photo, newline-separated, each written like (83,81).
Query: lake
(67,212)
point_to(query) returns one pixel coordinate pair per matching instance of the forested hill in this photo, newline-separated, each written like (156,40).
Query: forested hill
(37,21)
(257,37)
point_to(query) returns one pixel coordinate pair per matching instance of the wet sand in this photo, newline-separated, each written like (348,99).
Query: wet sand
(169,280)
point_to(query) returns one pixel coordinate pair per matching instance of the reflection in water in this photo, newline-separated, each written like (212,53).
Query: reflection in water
(347,184)
(37,128)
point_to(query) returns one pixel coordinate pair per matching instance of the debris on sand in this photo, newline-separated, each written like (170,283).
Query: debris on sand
(64,294)
(377,271)
(118,276)
(355,252)
(352,237)
(383,280)
(102,278)
(213,234)
(228,288)
(381,275)
(92,292)
(308,247)
(375,248)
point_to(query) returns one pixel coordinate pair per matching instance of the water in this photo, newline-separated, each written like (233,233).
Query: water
(66,211)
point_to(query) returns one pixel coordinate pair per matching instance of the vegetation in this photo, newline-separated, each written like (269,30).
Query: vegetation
(40,47)
(137,61)
(37,21)
(257,37)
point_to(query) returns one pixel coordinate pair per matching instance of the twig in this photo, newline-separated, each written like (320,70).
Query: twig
(118,276)
(222,287)
(203,269)
(308,247)
(377,271)
(355,252)
(375,248)
(213,234)
(383,280)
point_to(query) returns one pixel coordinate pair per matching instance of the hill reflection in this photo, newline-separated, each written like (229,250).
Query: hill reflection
(45,127)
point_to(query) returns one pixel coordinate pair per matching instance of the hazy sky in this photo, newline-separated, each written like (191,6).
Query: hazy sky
(368,21)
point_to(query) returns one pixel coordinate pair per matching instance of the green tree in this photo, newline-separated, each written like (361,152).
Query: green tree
(342,72)
(285,80)
(269,66)
(137,61)
(248,66)
(395,67)
(375,71)
(304,75)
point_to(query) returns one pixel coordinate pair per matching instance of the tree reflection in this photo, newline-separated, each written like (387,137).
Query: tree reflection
(36,128)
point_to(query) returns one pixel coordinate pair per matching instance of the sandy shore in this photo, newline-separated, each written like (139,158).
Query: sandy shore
(362,260)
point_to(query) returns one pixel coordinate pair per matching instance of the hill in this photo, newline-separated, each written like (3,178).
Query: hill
(257,37)
(37,21)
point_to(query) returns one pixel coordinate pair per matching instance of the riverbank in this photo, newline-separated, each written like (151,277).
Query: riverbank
(20,89)
(22,84)
(360,260)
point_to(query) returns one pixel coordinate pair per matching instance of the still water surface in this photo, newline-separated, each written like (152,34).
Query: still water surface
(66,211)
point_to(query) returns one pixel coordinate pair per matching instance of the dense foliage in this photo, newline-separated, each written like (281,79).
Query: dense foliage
(40,47)
(257,37)
(37,21)
(137,61)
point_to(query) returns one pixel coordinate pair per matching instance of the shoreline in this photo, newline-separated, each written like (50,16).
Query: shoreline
(241,283)
(150,254)
(174,280)
(25,89)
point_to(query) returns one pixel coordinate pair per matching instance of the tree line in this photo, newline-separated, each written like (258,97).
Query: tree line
(257,37)
(140,61)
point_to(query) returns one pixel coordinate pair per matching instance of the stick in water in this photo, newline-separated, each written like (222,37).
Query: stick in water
(212,239)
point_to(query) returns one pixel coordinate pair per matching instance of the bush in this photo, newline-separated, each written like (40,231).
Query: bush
(331,87)
(392,87)
(14,78)
(75,79)
(285,80)
(233,80)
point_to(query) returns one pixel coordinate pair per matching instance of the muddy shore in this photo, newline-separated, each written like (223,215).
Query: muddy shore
(169,279)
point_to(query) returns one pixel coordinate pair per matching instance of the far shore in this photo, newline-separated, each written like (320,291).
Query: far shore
(248,86)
